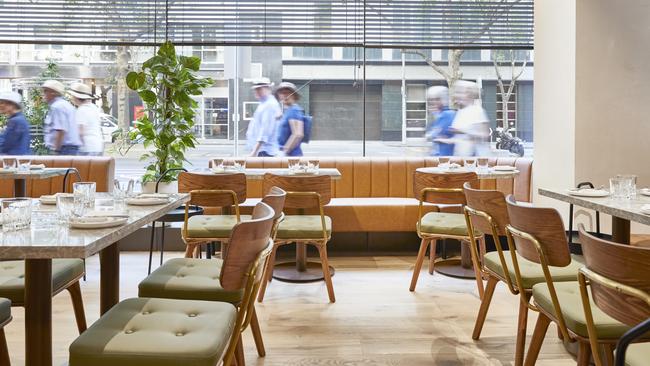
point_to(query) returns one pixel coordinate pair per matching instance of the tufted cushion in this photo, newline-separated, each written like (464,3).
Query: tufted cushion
(637,354)
(303,227)
(568,294)
(159,332)
(445,224)
(531,272)
(12,277)
(212,226)
(188,278)
(5,310)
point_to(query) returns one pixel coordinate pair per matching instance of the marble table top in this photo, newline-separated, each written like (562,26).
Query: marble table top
(33,174)
(486,174)
(48,239)
(258,173)
(625,209)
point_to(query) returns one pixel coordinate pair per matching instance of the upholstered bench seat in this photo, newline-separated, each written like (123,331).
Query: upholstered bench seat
(531,273)
(303,227)
(188,278)
(12,277)
(212,226)
(157,332)
(568,294)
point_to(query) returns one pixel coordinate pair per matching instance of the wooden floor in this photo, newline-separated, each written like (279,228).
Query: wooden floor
(375,321)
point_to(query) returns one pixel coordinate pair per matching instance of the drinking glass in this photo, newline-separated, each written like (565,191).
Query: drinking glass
(470,164)
(84,193)
(122,190)
(65,206)
(240,164)
(24,165)
(615,187)
(16,214)
(482,164)
(443,163)
(628,185)
(217,163)
(313,165)
(294,164)
(9,163)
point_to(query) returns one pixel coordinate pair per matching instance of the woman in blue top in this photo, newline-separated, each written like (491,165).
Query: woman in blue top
(291,128)
(15,139)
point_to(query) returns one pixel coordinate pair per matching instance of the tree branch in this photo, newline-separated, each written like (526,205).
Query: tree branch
(429,62)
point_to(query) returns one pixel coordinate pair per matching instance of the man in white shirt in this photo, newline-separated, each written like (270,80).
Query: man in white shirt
(471,124)
(262,133)
(88,120)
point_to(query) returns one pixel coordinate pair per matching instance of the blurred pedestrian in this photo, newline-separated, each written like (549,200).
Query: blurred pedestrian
(471,126)
(292,124)
(61,132)
(88,120)
(15,138)
(262,133)
(440,129)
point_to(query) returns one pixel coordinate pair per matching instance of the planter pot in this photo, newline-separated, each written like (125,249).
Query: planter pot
(163,187)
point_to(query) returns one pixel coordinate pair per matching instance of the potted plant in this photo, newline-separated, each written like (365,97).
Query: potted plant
(166,85)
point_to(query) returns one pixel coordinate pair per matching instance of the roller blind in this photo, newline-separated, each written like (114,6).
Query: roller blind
(352,23)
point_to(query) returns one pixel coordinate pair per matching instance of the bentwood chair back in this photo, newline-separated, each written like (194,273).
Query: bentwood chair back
(276,198)
(442,188)
(303,192)
(213,190)
(619,278)
(491,203)
(546,226)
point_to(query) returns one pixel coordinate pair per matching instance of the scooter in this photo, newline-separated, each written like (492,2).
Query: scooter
(506,140)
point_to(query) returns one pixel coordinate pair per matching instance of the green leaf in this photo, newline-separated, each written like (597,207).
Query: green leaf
(192,63)
(167,50)
(148,96)
(133,81)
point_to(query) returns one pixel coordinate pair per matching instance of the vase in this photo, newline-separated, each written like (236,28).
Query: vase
(163,187)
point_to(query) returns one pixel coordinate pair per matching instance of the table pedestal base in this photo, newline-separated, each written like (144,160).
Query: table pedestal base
(287,272)
(452,267)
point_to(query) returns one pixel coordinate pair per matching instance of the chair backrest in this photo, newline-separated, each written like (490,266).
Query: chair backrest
(441,188)
(275,198)
(225,188)
(612,270)
(490,202)
(302,191)
(248,241)
(543,224)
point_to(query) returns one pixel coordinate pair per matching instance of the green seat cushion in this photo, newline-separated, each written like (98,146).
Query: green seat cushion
(637,354)
(568,294)
(12,277)
(443,223)
(5,310)
(303,227)
(157,332)
(212,226)
(190,279)
(531,272)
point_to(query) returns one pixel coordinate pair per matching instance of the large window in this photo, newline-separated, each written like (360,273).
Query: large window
(314,53)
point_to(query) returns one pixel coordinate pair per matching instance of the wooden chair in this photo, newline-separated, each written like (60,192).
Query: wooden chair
(5,318)
(619,278)
(210,190)
(442,189)
(307,195)
(152,331)
(538,236)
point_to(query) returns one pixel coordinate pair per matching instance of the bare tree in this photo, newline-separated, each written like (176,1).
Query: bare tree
(508,57)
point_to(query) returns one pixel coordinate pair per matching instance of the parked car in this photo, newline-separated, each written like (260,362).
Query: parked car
(109,125)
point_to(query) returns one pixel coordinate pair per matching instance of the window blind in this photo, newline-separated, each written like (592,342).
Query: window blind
(347,23)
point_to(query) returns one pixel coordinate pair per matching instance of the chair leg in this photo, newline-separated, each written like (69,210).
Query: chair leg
(432,256)
(257,334)
(190,248)
(608,352)
(477,268)
(418,263)
(322,251)
(485,305)
(151,240)
(4,351)
(522,322)
(239,353)
(162,243)
(538,338)
(584,353)
(78,306)
(268,274)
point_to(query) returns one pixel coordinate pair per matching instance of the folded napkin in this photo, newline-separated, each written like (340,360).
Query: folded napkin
(37,166)
(153,195)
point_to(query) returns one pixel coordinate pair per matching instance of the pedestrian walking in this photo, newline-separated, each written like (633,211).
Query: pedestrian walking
(440,130)
(61,132)
(15,139)
(292,124)
(471,125)
(88,120)
(262,133)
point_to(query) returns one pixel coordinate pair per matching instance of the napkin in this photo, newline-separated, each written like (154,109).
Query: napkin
(37,166)
(645,209)
(153,195)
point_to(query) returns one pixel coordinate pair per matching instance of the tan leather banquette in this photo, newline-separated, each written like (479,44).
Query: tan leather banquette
(99,169)
(375,194)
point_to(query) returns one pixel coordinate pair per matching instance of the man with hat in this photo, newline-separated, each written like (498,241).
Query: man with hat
(88,120)
(61,132)
(15,138)
(262,135)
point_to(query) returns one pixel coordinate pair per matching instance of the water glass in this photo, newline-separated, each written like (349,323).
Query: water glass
(470,164)
(9,163)
(240,165)
(443,163)
(16,214)
(24,165)
(628,185)
(294,164)
(84,193)
(122,189)
(482,164)
(65,206)
(313,165)
(217,163)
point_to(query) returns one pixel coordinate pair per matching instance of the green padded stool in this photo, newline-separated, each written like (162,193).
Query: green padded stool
(157,332)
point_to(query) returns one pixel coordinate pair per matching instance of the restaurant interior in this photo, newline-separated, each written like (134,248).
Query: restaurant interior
(488,259)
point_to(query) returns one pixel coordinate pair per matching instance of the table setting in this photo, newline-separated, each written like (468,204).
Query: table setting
(480,166)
